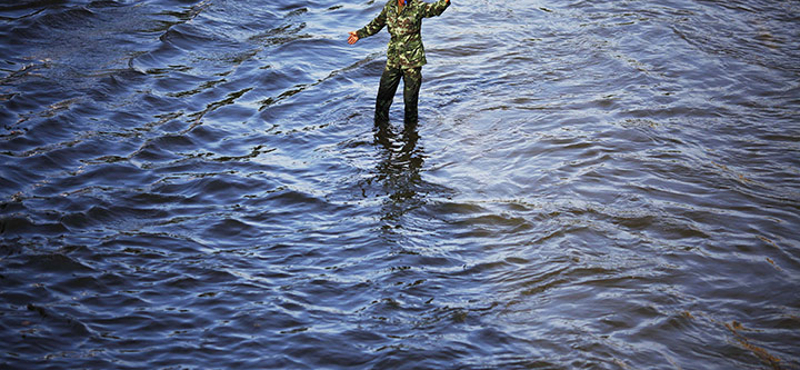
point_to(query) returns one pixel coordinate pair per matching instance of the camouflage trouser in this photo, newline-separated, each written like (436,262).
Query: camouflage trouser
(390,80)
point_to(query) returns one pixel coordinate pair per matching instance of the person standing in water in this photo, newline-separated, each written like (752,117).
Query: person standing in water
(405,53)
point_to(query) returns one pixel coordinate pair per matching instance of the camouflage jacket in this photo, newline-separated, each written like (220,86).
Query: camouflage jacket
(405,47)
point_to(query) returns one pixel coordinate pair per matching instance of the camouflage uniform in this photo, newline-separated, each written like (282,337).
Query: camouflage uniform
(405,55)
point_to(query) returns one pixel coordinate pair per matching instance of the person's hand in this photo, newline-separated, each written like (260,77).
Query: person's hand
(353,38)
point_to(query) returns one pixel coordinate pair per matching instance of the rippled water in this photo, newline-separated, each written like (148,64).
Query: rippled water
(592,185)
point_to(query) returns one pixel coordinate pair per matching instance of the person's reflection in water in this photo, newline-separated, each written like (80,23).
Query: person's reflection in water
(399,170)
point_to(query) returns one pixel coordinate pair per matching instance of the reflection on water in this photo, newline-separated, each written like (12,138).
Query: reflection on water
(399,170)
(591,185)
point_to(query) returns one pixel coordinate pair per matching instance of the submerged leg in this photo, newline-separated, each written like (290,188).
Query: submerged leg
(412,81)
(390,79)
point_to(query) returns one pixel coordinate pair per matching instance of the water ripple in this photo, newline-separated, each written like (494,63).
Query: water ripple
(592,185)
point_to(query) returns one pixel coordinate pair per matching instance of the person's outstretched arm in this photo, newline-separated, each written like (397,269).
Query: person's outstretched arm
(370,29)
(435,9)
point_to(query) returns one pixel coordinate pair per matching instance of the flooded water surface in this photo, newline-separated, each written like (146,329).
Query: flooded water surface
(592,185)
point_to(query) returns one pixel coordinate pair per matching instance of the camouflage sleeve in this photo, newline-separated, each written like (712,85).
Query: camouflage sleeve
(373,27)
(435,9)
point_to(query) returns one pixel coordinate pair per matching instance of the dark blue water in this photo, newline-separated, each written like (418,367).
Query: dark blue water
(592,185)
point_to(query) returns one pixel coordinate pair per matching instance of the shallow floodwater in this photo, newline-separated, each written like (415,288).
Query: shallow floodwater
(592,185)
